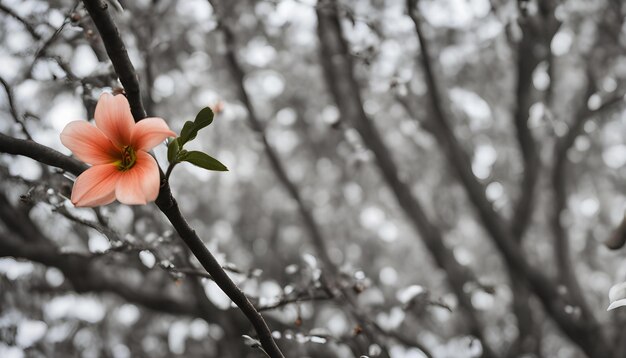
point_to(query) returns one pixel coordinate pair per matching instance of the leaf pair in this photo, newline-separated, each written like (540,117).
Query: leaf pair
(176,153)
(191,129)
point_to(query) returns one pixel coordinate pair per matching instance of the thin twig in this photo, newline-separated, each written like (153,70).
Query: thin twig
(29,27)
(583,332)
(338,68)
(13,109)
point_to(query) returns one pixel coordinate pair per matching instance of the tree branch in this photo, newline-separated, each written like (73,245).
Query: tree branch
(84,272)
(314,229)
(115,48)
(439,127)
(165,201)
(580,331)
(277,167)
(29,27)
(338,69)
(40,153)
(558,180)
(13,109)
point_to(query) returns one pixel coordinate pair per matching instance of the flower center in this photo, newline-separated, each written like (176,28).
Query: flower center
(128,158)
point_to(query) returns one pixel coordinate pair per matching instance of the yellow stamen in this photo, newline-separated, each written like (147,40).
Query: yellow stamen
(128,159)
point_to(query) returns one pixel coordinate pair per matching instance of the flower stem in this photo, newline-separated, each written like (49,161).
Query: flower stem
(169,171)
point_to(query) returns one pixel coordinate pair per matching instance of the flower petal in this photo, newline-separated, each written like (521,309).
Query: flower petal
(618,291)
(140,184)
(114,118)
(88,143)
(96,186)
(616,304)
(149,132)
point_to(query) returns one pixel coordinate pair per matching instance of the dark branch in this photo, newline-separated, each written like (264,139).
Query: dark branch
(275,162)
(439,127)
(13,108)
(558,182)
(86,273)
(585,332)
(170,208)
(117,53)
(29,27)
(40,153)
(165,201)
(314,229)
(338,68)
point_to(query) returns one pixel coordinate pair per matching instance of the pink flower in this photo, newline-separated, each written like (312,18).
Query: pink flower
(117,147)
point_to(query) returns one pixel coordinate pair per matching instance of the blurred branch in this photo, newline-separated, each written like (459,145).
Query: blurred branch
(338,68)
(238,73)
(11,218)
(526,61)
(27,25)
(48,42)
(566,270)
(303,296)
(538,30)
(559,171)
(86,275)
(585,332)
(559,177)
(91,274)
(13,109)
(458,159)
(314,229)
(403,339)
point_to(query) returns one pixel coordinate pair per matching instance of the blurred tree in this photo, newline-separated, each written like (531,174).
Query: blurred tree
(408,178)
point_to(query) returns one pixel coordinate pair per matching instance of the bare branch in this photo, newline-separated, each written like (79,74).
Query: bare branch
(85,274)
(40,153)
(558,179)
(338,69)
(314,229)
(165,201)
(13,108)
(275,162)
(29,27)
(117,53)
(297,298)
(439,128)
(503,236)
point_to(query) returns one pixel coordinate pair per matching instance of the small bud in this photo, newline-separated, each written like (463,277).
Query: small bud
(218,107)
(75,17)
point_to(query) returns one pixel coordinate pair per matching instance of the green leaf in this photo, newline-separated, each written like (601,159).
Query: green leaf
(205,161)
(190,129)
(187,133)
(204,118)
(172,150)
